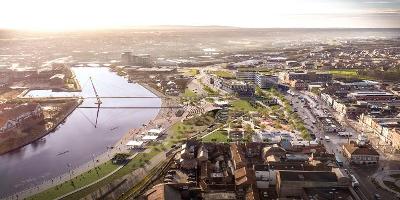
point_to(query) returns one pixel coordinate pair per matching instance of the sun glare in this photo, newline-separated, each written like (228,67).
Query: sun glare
(89,14)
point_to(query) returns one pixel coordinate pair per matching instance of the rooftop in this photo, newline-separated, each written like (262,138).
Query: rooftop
(355,150)
(314,176)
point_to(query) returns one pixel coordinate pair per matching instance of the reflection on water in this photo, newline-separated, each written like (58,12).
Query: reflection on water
(36,162)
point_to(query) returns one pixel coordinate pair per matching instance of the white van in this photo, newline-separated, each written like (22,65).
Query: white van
(354,181)
(327,138)
(345,134)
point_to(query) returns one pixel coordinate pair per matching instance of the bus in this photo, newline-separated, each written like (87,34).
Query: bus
(339,161)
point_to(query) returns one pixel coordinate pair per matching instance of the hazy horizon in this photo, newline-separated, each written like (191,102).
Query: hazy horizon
(65,15)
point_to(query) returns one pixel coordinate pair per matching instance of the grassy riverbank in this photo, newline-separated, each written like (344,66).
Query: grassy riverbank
(76,182)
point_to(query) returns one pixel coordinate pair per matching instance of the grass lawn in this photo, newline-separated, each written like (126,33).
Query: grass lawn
(180,130)
(191,72)
(217,136)
(346,72)
(209,90)
(210,100)
(79,181)
(138,161)
(223,74)
(242,105)
(189,93)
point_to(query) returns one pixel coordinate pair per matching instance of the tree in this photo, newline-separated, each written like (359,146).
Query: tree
(249,132)
(263,126)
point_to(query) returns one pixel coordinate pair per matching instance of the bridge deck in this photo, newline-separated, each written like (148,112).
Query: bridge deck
(128,107)
(139,97)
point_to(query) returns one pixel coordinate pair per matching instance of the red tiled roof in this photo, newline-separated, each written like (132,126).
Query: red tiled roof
(355,150)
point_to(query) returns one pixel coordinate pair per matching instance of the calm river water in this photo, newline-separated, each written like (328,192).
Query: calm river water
(38,161)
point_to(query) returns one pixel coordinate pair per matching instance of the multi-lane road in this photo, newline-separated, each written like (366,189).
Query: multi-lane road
(367,189)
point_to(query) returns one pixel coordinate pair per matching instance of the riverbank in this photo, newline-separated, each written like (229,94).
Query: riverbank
(152,90)
(22,138)
(98,160)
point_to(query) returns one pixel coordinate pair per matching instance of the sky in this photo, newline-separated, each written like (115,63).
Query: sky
(99,14)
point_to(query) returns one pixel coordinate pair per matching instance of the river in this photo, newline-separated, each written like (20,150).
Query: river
(39,161)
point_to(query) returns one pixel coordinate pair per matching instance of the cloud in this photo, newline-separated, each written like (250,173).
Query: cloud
(378,2)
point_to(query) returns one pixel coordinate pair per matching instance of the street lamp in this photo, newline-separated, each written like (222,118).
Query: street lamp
(93,160)
(69,170)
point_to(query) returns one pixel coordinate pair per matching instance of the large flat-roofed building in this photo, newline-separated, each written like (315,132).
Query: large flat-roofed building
(305,76)
(292,183)
(238,88)
(354,83)
(300,79)
(128,58)
(248,76)
(371,95)
(262,81)
(330,193)
(142,59)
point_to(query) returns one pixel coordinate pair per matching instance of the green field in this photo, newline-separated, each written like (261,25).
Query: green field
(209,90)
(191,72)
(189,94)
(344,73)
(242,105)
(223,74)
(217,136)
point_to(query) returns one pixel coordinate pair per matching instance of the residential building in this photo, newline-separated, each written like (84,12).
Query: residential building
(12,115)
(386,128)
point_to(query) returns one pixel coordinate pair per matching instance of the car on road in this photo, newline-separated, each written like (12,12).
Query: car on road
(327,138)
(377,196)
(354,181)
(345,134)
